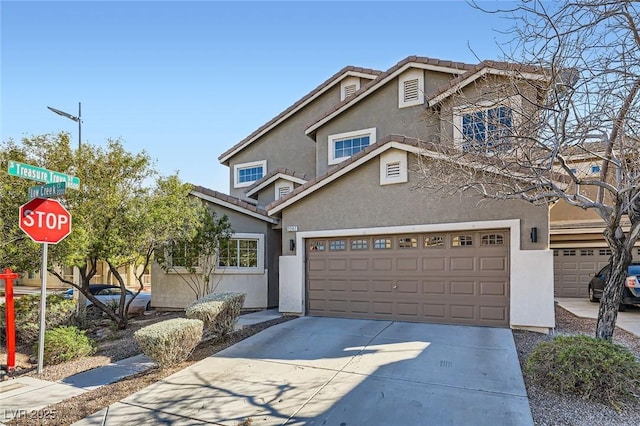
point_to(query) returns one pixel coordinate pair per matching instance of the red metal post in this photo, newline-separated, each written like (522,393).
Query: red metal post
(8,278)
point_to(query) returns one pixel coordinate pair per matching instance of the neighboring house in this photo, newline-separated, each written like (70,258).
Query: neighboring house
(335,177)
(102,276)
(579,247)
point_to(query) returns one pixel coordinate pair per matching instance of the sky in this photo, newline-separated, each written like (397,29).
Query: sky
(185,81)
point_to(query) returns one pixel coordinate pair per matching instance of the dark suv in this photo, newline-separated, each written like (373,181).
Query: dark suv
(631,293)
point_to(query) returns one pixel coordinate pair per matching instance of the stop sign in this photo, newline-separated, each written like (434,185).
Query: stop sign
(45,220)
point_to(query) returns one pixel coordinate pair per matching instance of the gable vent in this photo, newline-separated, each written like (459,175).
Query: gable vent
(393,170)
(411,90)
(283,190)
(349,90)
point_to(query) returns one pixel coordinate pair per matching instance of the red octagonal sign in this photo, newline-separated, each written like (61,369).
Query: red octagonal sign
(45,220)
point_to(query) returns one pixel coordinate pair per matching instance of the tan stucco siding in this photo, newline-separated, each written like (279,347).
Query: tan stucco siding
(380,110)
(286,146)
(357,200)
(172,291)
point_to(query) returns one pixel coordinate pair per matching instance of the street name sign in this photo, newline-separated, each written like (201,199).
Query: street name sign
(45,220)
(47,191)
(39,174)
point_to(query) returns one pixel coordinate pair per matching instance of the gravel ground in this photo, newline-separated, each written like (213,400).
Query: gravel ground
(547,408)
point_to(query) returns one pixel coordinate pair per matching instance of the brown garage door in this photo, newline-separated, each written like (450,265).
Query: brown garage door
(453,278)
(572,268)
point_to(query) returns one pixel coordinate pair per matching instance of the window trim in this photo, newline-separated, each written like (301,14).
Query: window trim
(411,74)
(241,166)
(332,139)
(260,269)
(513,103)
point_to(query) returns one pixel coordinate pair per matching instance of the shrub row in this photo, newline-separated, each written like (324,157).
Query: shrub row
(218,311)
(584,366)
(60,311)
(169,342)
(64,343)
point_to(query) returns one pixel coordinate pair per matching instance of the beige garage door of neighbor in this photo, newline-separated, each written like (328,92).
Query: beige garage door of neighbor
(573,269)
(451,278)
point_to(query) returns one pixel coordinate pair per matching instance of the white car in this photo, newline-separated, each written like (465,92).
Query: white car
(110,294)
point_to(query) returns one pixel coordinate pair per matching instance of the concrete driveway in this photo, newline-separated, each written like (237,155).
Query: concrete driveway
(327,371)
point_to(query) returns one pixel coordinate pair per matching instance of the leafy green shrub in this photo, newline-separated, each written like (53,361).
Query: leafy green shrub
(64,343)
(218,311)
(169,342)
(588,367)
(60,311)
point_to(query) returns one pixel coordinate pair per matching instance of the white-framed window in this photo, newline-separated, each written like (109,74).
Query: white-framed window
(393,167)
(243,253)
(348,87)
(411,88)
(485,127)
(344,145)
(247,173)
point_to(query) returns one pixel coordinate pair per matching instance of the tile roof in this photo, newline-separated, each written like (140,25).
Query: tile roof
(275,172)
(229,199)
(378,81)
(503,66)
(297,105)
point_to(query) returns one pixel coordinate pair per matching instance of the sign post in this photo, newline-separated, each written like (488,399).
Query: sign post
(8,278)
(46,221)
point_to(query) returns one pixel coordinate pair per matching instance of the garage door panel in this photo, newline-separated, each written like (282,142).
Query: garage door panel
(445,284)
(434,287)
(435,264)
(463,312)
(463,287)
(462,264)
(407,287)
(384,264)
(359,264)
(410,264)
(493,288)
(493,264)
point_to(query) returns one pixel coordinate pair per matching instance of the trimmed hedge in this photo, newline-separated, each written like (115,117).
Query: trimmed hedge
(169,342)
(63,344)
(60,311)
(591,368)
(218,311)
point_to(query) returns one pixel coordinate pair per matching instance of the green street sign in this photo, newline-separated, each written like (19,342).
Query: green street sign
(39,174)
(49,190)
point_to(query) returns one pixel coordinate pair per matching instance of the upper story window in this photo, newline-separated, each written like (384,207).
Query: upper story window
(247,173)
(595,169)
(344,145)
(487,129)
(348,87)
(485,126)
(411,88)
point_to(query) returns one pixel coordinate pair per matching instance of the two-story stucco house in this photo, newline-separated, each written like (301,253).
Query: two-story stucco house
(334,176)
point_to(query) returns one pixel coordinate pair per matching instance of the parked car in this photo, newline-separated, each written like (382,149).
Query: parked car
(631,292)
(111,294)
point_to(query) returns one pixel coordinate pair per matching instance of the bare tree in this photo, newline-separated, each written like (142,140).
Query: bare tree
(565,95)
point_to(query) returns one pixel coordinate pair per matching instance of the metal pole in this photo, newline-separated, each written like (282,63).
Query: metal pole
(79,125)
(43,306)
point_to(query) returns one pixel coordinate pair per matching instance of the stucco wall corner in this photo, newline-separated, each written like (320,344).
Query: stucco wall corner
(291,285)
(532,289)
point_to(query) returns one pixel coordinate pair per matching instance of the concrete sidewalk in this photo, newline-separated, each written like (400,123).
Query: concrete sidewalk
(26,394)
(628,320)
